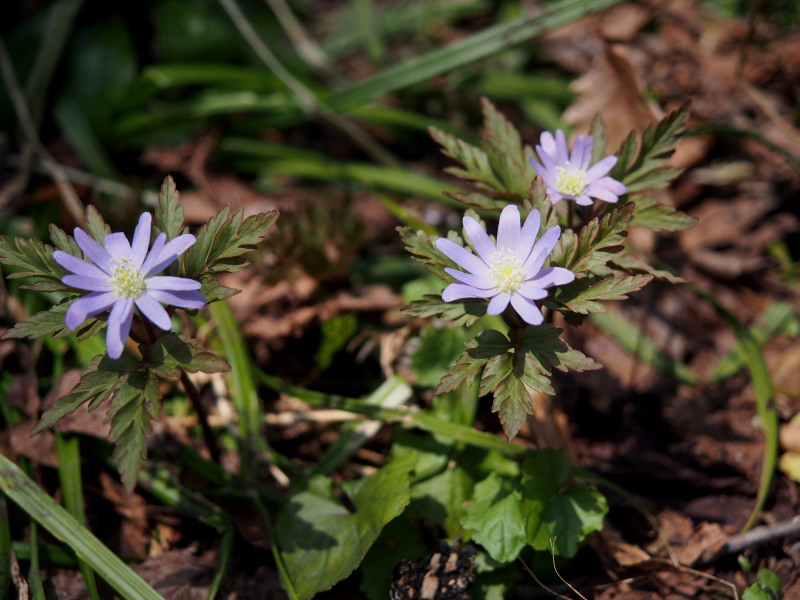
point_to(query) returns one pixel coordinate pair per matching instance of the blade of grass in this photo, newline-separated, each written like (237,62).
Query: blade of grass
(365,20)
(777,318)
(35,585)
(475,47)
(5,549)
(69,473)
(62,525)
(48,553)
(762,386)
(406,417)
(637,343)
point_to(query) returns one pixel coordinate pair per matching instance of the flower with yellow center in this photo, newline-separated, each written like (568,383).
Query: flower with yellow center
(120,275)
(569,175)
(508,272)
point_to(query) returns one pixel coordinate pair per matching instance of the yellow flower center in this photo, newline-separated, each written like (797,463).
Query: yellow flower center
(506,271)
(126,280)
(570,182)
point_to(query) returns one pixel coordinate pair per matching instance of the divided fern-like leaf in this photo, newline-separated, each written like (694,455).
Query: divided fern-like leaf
(479,351)
(461,312)
(506,151)
(173,352)
(584,295)
(477,167)
(35,260)
(423,248)
(96,225)
(649,213)
(169,212)
(543,345)
(53,322)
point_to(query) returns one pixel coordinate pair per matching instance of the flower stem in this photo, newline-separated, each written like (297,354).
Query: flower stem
(202,415)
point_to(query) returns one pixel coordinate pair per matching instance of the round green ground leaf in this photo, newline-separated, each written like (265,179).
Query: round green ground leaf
(494,518)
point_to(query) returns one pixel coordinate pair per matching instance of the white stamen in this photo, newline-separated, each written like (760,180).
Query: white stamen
(506,271)
(570,182)
(126,280)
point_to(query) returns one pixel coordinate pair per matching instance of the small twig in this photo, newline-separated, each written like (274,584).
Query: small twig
(71,201)
(757,537)
(202,414)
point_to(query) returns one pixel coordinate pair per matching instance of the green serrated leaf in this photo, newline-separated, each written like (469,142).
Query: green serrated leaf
(214,291)
(35,260)
(461,312)
(52,322)
(477,201)
(595,244)
(487,345)
(649,170)
(584,296)
(494,518)
(96,225)
(64,242)
(322,542)
(544,345)
(134,404)
(423,248)
(223,241)
(650,214)
(173,352)
(506,152)
(94,384)
(169,212)
(513,386)
(476,163)
(625,262)
(554,512)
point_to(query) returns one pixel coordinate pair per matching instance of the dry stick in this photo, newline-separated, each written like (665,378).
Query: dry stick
(757,537)
(70,199)
(308,102)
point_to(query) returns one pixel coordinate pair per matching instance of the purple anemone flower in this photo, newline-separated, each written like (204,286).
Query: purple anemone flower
(121,275)
(510,271)
(569,176)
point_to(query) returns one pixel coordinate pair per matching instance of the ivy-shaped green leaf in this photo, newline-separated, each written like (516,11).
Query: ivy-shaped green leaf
(554,511)
(173,352)
(461,312)
(648,170)
(583,296)
(494,518)
(595,244)
(650,214)
(223,241)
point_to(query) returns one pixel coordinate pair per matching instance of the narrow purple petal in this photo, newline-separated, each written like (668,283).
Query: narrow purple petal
(555,197)
(151,309)
(612,185)
(117,246)
(88,306)
(527,236)
(181,298)
(165,282)
(459,291)
(601,193)
(548,163)
(92,284)
(171,251)
(547,144)
(600,168)
(480,240)
(462,257)
(152,256)
(529,312)
(141,239)
(481,282)
(553,276)
(498,304)
(532,291)
(93,250)
(588,145)
(541,250)
(78,266)
(578,150)
(562,154)
(119,326)
(508,230)
(584,200)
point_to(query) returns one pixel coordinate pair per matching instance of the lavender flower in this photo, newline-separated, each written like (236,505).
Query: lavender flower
(121,275)
(570,176)
(510,271)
